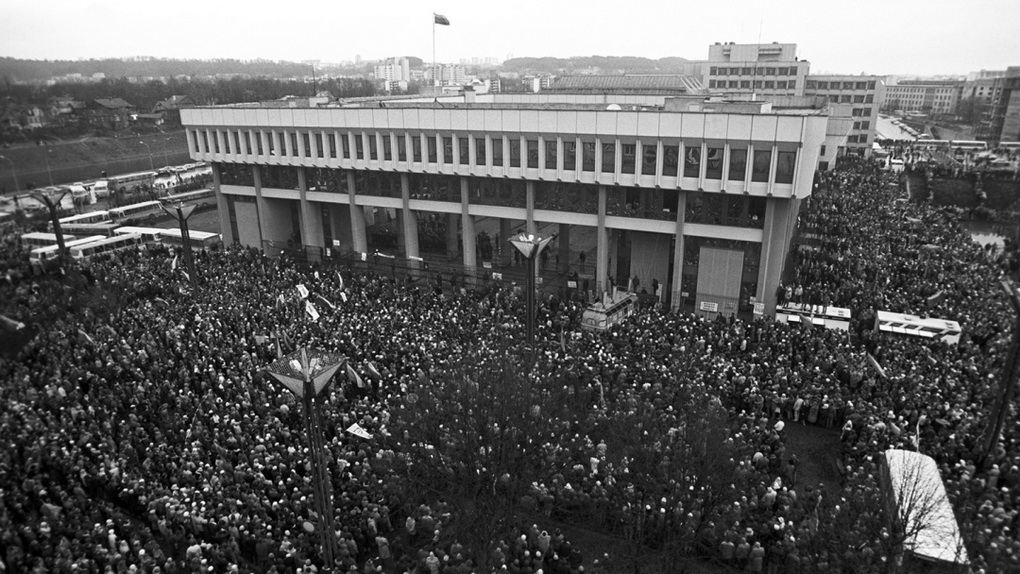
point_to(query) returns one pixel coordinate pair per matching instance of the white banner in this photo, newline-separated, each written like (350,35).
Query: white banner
(310,309)
(303,291)
(356,430)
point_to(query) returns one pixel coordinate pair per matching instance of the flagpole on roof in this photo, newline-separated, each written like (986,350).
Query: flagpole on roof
(434,81)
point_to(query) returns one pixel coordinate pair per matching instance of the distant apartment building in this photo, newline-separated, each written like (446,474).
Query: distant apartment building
(394,70)
(985,86)
(766,69)
(446,74)
(864,95)
(927,96)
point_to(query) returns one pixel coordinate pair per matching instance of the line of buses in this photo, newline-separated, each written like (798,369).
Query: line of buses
(43,247)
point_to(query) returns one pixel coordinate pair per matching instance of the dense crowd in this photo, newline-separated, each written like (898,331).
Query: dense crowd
(143,434)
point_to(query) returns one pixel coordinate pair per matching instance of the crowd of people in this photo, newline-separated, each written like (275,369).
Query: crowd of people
(141,432)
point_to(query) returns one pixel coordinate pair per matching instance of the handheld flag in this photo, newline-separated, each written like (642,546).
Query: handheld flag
(354,377)
(341,278)
(279,351)
(87,337)
(311,310)
(326,301)
(356,430)
(173,264)
(441,20)
(302,290)
(878,368)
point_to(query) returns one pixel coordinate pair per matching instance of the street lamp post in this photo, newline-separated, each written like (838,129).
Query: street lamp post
(306,373)
(181,213)
(150,153)
(52,202)
(530,245)
(17,188)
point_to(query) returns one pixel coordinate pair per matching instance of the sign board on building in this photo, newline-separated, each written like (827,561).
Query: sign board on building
(487,264)
(759,308)
(710,306)
(572,284)
(497,276)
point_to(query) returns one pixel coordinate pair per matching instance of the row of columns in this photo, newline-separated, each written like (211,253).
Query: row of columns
(779,225)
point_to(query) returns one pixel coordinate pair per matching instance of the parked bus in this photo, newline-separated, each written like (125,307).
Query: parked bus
(105,229)
(969,145)
(921,517)
(931,144)
(603,315)
(828,317)
(107,245)
(148,234)
(41,254)
(201,197)
(199,239)
(136,212)
(914,326)
(30,241)
(129,182)
(90,217)
(1009,146)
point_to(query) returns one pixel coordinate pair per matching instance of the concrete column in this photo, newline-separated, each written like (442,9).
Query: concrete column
(223,207)
(601,247)
(260,206)
(311,215)
(408,218)
(529,187)
(678,254)
(780,216)
(504,247)
(358,236)
(563,238)
(467,230)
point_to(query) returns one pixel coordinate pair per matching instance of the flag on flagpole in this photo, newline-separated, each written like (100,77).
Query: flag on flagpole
(441,20)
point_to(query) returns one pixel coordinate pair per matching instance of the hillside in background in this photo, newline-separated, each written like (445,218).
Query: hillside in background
(18,70)
(596,65)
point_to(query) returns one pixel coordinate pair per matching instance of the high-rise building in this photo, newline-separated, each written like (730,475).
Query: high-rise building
(864,94)
(766,69)
(697,195)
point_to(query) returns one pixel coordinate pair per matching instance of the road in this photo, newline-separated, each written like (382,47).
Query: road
(885,129)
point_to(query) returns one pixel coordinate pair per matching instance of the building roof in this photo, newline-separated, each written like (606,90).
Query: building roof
(113,103)
(646,84)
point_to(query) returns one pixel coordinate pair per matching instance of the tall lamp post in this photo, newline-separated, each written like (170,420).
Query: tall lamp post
(150,153)
(17,188)
(52,201)
(181,213)
(306,373)
(530,245)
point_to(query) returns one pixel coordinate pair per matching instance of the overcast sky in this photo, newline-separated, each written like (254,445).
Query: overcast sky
(873,36)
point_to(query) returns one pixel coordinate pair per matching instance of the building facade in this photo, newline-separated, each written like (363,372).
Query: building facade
(864,94)
(1007,114)
(765,69)
(699,197)
(927,96)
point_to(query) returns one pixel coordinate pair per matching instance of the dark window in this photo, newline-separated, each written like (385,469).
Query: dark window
(497,151)
(823,150)
(792,84)
(401,148)
(712,71)
(216,141)
(588,156)
(670,160)
(550,154)
(480,151)
(869,99)
(247,142)
(871,85)
(433,150)
(648,159)
(866,125)
(738,164)
(283,144)
(770,71)
(373,147)
(714,163)
(345,139)
(533,154)
(711,84)
(237,142)
(770,85)
(761,166)
(332,145)
(609,157)
(628,159)
(570,155)
(318,145)
(387,149)
(746,71)
(464,149)
(860,85)
(692,161)
(734,83)
(858,99)
(306,139)
(226,141)
(293,144)
(848,85)
(258,143)
(823,85)
(416,148)
(515,152)
(785,163)
(447,149)
(359,145)
(271,138)
(745,84)
(781,85)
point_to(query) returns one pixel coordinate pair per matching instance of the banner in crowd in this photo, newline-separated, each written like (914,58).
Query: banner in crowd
(356,430)
(312,312)
(302,290)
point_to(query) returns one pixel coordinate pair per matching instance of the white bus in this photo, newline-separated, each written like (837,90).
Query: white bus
(136,212)
(30,241)
(969,145)
(920,514)
(105,229)
(41,254)
(828,317)
(107,245)
(914,326)
(149,234)
(200,196)
(1009,146)
(90,217)
(128,182)
(199,239)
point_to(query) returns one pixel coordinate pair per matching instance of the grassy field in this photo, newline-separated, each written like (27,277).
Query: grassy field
(87,158)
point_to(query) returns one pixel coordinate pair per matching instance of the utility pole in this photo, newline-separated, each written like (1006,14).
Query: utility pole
(1009,375)
(181,213)
(52,202)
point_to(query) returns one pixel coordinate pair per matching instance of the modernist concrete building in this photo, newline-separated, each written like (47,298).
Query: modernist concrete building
(699,196)
(864,94)
(928,96)
(764,69)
